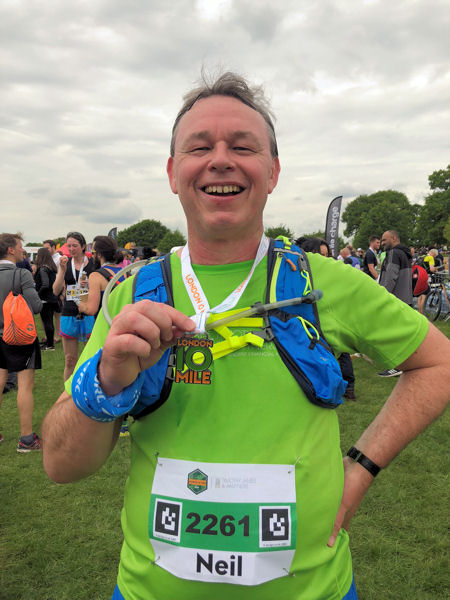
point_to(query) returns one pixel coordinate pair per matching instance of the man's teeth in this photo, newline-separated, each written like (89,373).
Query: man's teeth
(222,189)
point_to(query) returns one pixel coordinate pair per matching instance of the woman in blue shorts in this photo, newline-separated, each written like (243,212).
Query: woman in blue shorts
(72,278)
(106,257)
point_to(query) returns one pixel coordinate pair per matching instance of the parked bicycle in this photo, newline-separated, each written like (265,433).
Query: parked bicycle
(437,296)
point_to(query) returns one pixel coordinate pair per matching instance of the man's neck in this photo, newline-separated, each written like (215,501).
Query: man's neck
(223,251)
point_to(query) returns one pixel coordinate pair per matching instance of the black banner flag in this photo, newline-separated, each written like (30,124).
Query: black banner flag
(332,225)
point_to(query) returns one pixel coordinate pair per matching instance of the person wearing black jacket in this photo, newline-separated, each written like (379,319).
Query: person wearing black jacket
(395,273)
(44,279)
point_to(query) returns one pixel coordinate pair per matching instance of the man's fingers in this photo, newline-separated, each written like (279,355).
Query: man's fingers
(337,526)
(158,325)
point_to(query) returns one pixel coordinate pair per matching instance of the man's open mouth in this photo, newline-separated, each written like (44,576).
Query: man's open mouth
(222,190)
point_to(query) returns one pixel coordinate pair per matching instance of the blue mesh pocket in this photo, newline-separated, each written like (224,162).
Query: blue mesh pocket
(309,359)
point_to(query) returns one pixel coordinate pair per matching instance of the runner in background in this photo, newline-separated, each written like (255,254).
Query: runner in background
(45,278)
(72,281)
(56,256)
(106,257)
(23,360)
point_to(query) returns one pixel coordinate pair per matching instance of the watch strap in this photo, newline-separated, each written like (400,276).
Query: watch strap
(365,462)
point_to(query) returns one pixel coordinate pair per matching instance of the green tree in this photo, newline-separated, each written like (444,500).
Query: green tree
(36,244)
(434,214)
(274,232)
(373,214)
(171,239)
(447,231)
(440,180)
(147,232)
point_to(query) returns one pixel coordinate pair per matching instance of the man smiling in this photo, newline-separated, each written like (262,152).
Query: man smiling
(236,486)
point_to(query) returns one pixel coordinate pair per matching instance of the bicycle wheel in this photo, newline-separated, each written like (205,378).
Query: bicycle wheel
(433,305)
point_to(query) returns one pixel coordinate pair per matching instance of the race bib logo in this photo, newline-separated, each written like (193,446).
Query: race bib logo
(167,520)
(193,359)
(197,481)
(275,528)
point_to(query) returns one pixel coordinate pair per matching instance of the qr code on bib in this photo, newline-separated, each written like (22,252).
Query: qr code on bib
(274,526)
(167,520)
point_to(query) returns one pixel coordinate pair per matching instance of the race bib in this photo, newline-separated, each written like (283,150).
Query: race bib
(76,291)
(223,523)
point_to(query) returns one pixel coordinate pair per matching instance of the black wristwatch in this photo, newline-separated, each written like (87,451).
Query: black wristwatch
(365,462)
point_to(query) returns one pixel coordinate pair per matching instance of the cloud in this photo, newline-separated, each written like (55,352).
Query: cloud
(95,205)
(89,92)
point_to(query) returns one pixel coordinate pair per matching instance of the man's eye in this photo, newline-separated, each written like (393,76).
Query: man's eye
(200,149)
(242,149)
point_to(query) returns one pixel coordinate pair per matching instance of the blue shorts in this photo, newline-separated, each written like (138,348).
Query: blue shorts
(350,595)
(76,329)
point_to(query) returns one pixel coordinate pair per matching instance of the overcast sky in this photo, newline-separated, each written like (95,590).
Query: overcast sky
(89,91)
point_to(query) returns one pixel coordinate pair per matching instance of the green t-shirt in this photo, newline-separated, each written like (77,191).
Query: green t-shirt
(215,460)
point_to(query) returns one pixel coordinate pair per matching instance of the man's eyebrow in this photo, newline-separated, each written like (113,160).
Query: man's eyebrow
(244,134)
(198,135)
(203,135)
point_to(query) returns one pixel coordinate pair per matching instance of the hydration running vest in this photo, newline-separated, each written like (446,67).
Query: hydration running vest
(295,330)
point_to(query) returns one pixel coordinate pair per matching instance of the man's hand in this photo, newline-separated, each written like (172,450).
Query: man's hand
(357,480)
(420,396)
(139,336)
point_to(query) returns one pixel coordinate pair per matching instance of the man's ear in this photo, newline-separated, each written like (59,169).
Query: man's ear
(171,174)
(273,180)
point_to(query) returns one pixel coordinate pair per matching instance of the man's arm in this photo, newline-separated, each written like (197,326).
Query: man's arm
(76,446)
(373,271)
(29,291)
(390,275)
(420,396)
(371,262)
(93,302)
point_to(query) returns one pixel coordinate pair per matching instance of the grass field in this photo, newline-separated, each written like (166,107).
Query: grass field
(62,542)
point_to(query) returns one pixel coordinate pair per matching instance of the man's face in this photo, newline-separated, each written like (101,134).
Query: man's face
(376,244)
(50,248)
(222,169)
(17,252)
(387,241)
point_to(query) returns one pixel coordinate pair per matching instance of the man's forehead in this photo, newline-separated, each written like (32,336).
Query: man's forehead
(218,110)
(232,134)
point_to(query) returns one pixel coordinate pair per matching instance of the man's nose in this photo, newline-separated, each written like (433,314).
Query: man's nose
(221,158)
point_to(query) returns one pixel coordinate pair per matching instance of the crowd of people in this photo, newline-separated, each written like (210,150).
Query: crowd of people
(66,291)
(70,288)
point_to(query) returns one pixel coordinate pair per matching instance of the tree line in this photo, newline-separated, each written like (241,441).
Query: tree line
(418,225)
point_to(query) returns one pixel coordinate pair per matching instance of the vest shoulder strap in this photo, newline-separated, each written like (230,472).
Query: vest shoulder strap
(154,282)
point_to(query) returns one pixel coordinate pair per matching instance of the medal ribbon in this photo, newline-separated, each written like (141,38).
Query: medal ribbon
(197,295)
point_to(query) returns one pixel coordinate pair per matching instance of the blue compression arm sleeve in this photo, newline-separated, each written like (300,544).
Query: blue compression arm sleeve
(93,402)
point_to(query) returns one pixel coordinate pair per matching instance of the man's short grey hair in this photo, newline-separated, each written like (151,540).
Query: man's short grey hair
(235,86)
